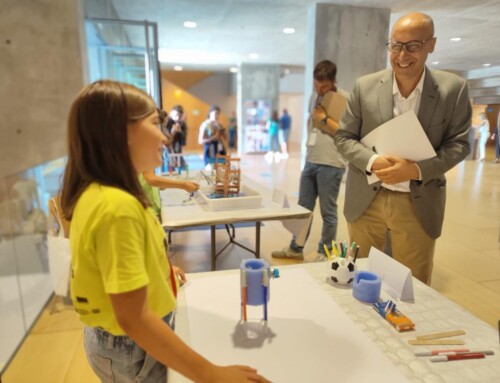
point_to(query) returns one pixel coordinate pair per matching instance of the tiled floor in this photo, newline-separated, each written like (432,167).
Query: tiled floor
(467,262)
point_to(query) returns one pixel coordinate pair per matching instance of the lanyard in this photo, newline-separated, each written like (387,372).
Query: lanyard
(172,275)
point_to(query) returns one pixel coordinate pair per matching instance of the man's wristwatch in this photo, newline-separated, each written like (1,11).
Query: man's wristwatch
(323,121)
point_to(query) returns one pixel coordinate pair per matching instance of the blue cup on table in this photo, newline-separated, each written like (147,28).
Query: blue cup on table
(366,286)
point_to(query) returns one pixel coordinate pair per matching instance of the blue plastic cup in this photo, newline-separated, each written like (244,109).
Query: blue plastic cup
(366,286)
(254,270)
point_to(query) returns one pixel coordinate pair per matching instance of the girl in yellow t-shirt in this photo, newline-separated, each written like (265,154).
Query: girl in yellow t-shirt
(123,286)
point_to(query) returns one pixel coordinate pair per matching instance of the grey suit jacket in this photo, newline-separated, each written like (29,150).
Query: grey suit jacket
(445,115)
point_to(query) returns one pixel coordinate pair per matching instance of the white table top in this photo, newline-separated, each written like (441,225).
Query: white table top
(177,214)
(431,313)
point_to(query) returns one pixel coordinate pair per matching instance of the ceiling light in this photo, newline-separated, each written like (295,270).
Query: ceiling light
(233,69)
(456,39)
(288,30)
(287,71)
(178,68)
(253,55)
(190,24)
(435,62)
(487,64)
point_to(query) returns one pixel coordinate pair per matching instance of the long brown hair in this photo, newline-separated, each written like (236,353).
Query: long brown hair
(98,140)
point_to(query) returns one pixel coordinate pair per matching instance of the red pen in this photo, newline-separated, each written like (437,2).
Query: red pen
(447,358)
(437,352)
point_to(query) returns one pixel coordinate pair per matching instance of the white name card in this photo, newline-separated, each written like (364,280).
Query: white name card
(280,198)
(396,278)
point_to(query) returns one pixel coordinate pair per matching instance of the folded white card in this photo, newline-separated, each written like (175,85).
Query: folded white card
(396,277)
(299,226)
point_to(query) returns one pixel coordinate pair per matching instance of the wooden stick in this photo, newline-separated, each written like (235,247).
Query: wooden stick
(435,341)
(438,335)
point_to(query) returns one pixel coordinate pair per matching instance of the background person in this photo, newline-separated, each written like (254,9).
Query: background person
(175,129)
(495,138)
(122,285)
(324,168)
(272,127)
(483,133)
(409,199)
(212,136)
(232,129)
(285,125)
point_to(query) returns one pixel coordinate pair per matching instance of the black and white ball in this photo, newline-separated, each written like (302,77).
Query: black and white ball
(341,270)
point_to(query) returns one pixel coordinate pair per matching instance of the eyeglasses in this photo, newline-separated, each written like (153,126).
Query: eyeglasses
(411,46)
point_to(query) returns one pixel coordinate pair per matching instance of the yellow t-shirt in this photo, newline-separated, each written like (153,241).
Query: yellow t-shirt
(117,246)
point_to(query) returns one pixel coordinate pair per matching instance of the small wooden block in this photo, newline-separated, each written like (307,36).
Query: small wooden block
(438,335)
(435,341)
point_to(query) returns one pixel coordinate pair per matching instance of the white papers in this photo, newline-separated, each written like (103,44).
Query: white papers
(396,278)
(403,136)
(308,338)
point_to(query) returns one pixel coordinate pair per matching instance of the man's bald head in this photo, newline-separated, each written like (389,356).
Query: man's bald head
(415,21)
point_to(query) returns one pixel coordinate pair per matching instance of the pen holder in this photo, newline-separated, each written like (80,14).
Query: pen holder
(366,286)
(341,270)
(258,274)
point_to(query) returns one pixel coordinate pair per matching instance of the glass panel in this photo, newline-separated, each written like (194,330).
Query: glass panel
(124,51)
(25,283)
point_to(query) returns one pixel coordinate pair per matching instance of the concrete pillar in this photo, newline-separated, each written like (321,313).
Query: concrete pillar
(255,82)
(41,72)
(352,37)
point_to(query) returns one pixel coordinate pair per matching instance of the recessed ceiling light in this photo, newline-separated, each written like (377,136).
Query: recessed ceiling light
(253,55)
(456,39)
(287,71)
(487,64)
(233,69)
(288,30)
(190,24)
(178,68)
(435,62)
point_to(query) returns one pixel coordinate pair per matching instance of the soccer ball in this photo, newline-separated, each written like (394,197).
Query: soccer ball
(341,270)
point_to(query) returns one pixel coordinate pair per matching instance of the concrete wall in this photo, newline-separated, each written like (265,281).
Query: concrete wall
(351,37)
(216,90)
(40,73)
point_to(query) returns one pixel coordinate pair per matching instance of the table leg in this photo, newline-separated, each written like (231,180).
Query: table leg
(257,239)
(212,246)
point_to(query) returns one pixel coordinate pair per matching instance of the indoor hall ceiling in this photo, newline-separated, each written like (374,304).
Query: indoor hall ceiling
(229,30)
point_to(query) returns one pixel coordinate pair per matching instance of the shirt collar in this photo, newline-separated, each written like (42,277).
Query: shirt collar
(419,87)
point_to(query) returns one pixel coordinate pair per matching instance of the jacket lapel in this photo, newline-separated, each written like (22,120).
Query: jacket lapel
(428,101)
(384,94)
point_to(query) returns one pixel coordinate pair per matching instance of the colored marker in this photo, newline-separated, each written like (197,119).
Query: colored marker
(335,249)
(456,352)
(353,247)
(327,252)
(448,358)
(355,254)
(437,352)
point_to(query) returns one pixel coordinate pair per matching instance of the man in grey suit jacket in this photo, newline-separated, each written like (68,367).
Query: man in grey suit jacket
(409,199)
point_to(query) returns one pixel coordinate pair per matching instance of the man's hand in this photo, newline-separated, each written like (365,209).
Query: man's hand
(318,114)
(401,170)
(381,163)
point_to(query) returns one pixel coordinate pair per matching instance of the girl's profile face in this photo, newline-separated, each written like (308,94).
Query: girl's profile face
(145,143)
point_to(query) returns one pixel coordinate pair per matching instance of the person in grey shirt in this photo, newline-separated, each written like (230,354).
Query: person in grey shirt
(324,168)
